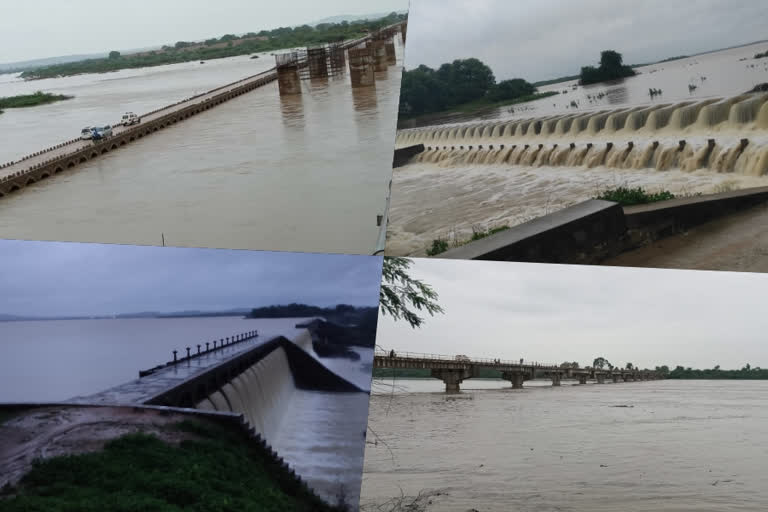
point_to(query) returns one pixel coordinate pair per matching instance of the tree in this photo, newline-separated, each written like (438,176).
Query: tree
(611,68)
(114,54)
(510,89)
(629,366)
(400,292)
(600,362)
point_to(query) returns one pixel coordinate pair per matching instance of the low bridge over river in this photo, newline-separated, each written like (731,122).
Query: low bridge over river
(45,163)
(453,370)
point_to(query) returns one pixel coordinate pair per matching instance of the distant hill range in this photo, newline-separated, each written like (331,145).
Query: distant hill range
(342,314)
(353,17)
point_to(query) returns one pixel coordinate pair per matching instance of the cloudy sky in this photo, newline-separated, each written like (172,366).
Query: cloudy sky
(543,39)
(47,28)
(55,279)
(556,313)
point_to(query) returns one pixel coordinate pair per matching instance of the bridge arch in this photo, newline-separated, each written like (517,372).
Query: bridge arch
(44,175)
(71,164)
(15,187)
(83,159)
(114,146)
(104,150)
(29,181)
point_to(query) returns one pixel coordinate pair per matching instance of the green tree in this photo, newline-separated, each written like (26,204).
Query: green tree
(510,89)
(114,54)
(600,362)
(629,366)
(400,293)
(611,68)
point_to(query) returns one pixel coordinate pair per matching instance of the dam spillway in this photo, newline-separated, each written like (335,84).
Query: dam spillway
(724,135)
(285,395)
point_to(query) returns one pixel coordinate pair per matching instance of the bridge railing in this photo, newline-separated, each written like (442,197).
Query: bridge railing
(486,361)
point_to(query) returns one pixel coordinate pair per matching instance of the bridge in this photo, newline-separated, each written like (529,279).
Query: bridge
(48,162)
(453,370)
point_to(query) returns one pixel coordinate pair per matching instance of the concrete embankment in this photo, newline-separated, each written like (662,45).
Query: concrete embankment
(595,231)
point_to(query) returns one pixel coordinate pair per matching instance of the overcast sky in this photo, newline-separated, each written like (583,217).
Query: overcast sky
(35,29)
(543,39)
(557,313)
(60,279)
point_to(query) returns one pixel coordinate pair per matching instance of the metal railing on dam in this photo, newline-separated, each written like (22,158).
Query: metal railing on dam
(30,169)
(453,370)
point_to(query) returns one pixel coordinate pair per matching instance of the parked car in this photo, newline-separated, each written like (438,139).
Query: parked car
(130,118)
(86,133)
(462,358)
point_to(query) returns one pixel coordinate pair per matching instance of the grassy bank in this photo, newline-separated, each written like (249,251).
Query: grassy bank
(227,45)
(632,196)
(217,471)
(31,100)
(440,245)
(479,106)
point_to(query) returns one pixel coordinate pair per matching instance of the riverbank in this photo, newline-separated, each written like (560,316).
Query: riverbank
(474,107)
(31,100)
(217,48)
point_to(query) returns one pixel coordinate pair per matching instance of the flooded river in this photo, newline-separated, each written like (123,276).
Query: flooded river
(669,445)
(516,166)
(306,173)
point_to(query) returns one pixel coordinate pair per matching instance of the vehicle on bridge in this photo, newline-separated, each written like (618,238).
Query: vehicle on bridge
(101,132)
(130,118)
(86,133)
(462,358)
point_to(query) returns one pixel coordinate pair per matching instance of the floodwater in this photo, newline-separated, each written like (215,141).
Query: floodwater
(306,173)
(55,360)
(677,446)
(487,174)
(723,72)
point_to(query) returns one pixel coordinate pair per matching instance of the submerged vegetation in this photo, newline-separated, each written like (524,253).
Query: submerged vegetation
(440,245)
(31,100)
(216,48)
(611,68)
(632,196)
(217,470)
(461,85)
(761,55)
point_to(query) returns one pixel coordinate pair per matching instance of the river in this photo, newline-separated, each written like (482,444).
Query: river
(644,446)
(446,193)
(307,173)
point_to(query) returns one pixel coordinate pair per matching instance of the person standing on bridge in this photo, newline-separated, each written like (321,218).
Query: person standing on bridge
(392,353)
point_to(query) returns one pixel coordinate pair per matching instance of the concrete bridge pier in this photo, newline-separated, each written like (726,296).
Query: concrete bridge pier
(615,378)
(452,378)
(288,81)
(379,55)
(516,378)
(600,378)
(625,377)
(556,377)
(389,48)
(317,59)
(361,72)
(582,379)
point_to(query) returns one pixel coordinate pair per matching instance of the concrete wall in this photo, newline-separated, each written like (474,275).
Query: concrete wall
(584,233)
(402,155)
(592,231)
(650,222)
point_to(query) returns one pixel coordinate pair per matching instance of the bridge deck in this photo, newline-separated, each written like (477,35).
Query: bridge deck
(72,146)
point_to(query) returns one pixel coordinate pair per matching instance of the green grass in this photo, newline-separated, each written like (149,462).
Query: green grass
(31,100)
(440,245)
(632,196)
(138,472)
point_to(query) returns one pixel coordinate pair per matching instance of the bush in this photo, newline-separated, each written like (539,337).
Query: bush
(632,196)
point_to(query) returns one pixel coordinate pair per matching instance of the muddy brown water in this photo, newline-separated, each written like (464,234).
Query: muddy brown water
(678,446)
